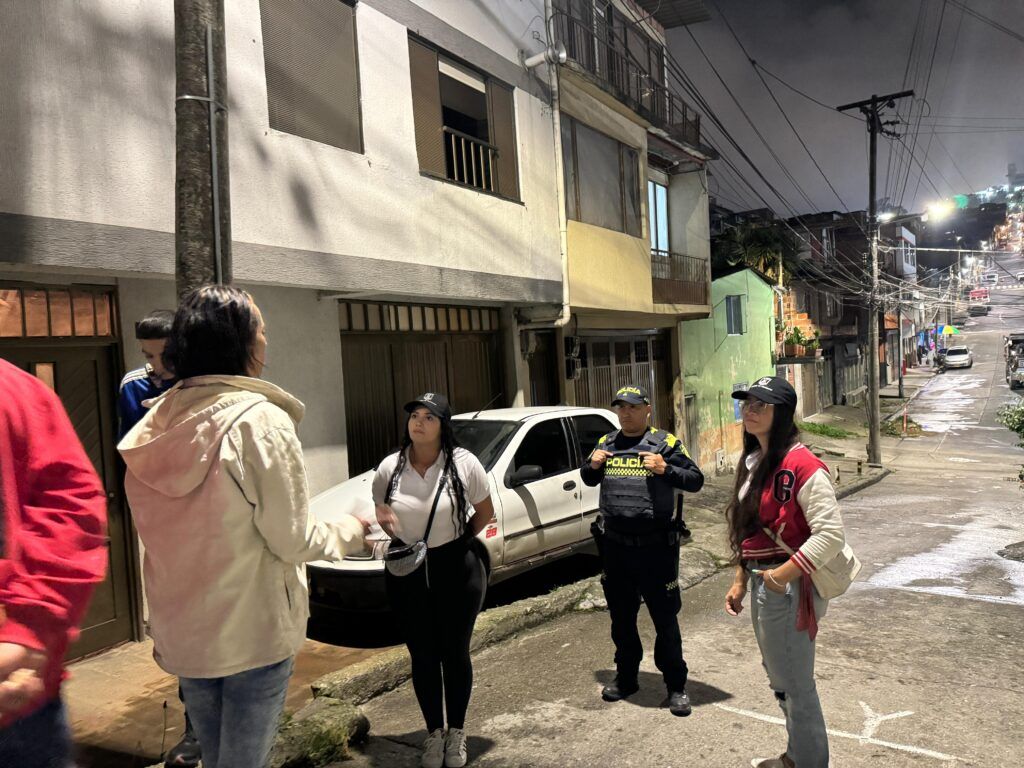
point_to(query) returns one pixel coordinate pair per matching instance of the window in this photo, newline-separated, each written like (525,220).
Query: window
(309,54)
(464,121)
(734,315)
(602,179)
(55,312)
(657,214)
(589,429)
(737,414)
(545,446)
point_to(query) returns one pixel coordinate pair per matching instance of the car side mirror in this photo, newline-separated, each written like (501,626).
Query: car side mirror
(525,474)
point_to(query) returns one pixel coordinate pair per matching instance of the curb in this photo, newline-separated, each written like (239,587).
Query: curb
(864,482)
(911,399)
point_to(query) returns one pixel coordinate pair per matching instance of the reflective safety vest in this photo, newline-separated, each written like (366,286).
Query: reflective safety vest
(630,491)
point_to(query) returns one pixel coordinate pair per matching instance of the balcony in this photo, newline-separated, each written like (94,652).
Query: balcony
(601,53)
(678,279)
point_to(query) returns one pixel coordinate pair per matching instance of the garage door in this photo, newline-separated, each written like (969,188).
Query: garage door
(392,353)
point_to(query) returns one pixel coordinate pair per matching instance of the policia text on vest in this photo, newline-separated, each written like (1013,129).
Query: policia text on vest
(638,540)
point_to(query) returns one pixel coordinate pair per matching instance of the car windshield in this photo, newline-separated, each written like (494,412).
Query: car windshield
(957,351)
(484,439)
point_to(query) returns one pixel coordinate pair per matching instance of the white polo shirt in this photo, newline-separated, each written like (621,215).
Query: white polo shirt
(414,495)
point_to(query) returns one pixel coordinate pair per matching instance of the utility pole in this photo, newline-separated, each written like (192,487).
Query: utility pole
(870,108)
(202,230)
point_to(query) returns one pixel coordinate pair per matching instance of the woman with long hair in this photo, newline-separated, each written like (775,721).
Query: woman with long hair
(217,487)
(424,493)
(784,523)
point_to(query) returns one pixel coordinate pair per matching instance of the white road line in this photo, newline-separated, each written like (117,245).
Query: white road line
(872,719)
(846,735)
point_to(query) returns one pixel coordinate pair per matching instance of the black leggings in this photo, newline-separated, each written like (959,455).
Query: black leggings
(437,623)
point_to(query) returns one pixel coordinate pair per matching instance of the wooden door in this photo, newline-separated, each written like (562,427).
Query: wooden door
(83,378)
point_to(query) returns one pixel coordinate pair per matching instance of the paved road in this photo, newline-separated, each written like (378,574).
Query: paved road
(919,665)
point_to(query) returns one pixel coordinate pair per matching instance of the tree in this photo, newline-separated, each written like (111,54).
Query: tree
(202,237)
(758,247)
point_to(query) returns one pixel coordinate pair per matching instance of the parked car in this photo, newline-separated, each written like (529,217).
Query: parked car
(543,511)
(958,357)
(1015,373)
(978,308)
(1020,277)
(990,278)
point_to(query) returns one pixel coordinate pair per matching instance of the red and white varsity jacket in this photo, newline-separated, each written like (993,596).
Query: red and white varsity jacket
(798,504)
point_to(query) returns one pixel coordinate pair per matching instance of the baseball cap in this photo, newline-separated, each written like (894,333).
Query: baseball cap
(771,389)
(436,403)
(631,394)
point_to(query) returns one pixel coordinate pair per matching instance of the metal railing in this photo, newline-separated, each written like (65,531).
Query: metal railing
(678,279)
(625,78)
(470,161)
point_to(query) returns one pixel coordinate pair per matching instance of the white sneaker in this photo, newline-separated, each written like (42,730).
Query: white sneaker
(772,762)
(455,748)
(433,750)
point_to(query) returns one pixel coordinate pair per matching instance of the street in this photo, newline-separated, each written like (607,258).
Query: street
(917,665)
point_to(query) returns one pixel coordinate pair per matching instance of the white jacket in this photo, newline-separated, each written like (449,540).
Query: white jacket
(217,488)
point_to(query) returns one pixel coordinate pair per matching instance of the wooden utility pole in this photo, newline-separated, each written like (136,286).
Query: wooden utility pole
(202,230)
(870,109)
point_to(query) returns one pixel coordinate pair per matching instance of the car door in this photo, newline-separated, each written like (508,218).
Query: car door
(588,428)
(542,514)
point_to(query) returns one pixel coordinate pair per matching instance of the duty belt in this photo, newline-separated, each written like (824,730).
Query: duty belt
(670,537)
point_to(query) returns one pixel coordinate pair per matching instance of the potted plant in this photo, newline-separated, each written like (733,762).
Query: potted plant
(814,345)
(793,343)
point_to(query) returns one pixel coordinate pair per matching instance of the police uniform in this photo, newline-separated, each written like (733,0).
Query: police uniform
(638,539)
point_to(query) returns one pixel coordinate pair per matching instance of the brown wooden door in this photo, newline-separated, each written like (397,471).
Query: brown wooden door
(83,378)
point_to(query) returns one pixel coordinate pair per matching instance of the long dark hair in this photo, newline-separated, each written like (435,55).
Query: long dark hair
(214,333)
(454,488)
(742,514)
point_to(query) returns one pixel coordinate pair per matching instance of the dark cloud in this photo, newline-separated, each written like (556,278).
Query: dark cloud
(844,51)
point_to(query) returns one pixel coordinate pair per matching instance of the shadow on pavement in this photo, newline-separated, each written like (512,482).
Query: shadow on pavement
(652,693)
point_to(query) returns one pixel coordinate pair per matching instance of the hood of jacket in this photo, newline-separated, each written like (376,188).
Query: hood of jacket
(173,447)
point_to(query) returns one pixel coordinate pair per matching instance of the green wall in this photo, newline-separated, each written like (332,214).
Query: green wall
(715,361)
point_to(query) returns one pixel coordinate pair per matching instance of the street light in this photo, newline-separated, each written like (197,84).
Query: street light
(940,210)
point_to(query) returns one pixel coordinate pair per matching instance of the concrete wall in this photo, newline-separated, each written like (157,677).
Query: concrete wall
(714,362)
(303,358)
(689,220)
(88,139)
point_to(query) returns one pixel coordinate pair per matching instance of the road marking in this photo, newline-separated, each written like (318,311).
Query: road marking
(872,719)
(852,736)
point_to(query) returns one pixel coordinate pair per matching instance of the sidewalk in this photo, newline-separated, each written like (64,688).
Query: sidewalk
(118,701)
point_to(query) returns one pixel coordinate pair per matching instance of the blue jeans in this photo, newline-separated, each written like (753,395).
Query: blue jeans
(788,657)
(236,717)
(41,740)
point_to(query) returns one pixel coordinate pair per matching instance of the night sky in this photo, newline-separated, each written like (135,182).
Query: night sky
(841,51)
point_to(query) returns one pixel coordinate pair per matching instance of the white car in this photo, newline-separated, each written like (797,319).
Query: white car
(543,511)
(990,278)
(959,357)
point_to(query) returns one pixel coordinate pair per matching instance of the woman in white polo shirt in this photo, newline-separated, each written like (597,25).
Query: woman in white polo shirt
(437,604)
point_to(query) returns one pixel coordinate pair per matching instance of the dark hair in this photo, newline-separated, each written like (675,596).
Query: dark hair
(742,514)
(214,333)
(156,325)
(454,488)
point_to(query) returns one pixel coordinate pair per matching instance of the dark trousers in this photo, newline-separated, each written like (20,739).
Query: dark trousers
(41,740)
(652,573)
(436,607)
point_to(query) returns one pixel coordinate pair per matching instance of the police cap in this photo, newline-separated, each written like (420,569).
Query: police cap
(632,395)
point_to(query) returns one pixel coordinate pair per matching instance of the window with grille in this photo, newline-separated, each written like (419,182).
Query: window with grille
(311,64)
(464,122)
(391,318)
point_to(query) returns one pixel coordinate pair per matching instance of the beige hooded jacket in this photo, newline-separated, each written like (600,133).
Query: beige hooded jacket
(217,488)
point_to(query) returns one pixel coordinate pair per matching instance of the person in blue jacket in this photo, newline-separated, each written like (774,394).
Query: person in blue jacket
(137,386)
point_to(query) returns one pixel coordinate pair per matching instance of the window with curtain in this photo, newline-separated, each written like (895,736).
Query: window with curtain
(657,215)
(734,315)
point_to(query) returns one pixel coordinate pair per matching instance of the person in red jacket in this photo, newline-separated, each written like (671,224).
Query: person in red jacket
(52,553)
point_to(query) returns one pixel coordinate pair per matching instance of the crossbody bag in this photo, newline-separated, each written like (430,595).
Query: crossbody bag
(402,561)
(834,577)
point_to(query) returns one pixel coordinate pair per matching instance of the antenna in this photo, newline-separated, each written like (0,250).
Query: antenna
(492,402)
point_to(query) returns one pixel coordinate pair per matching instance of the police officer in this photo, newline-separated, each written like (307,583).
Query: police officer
(639,469)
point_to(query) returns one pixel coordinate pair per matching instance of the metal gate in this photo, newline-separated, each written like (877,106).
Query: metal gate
(826,382)
(384,370)
(609,362)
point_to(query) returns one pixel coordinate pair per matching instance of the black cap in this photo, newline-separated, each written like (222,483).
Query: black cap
(632,395)
(433,402)
(771,389)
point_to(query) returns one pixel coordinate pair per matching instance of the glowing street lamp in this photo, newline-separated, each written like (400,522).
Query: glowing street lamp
(940,210)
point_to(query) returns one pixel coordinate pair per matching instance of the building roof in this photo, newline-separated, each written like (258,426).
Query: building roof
(675,13)
(718,274)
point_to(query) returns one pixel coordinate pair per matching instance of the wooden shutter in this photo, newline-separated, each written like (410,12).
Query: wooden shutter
(426,107)
(503,136)
(309,53)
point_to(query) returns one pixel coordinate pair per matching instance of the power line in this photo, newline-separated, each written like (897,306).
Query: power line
(986,20)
